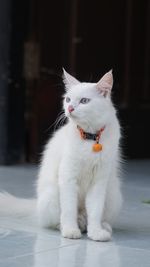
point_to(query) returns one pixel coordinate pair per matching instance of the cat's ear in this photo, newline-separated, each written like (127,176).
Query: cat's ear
(69,80)
(105,84)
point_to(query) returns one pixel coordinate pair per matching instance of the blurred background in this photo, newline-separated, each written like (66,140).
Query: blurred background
(88,38)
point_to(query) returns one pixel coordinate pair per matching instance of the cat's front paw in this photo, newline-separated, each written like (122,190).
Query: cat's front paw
(107,227)
(99,234)
(71,232)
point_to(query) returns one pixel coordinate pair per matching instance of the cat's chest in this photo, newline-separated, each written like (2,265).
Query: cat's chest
(84,150)
(82,154)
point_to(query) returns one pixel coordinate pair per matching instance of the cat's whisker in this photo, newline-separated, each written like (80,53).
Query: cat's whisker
(60,121)
(56,122)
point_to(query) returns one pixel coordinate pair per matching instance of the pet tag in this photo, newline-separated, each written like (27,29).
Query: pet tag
(97,147)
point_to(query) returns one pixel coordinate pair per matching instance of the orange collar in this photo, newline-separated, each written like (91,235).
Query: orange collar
(96,137)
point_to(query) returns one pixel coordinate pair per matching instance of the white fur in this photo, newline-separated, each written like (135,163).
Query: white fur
(78,189)
(13,206)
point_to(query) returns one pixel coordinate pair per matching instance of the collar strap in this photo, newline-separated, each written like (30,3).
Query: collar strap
(90,136)
(95,137)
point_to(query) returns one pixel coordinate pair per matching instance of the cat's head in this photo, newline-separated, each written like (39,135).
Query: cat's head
(88,104)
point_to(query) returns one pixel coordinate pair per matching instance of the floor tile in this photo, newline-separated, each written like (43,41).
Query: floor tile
(15,244)
(22,243)
(84,254)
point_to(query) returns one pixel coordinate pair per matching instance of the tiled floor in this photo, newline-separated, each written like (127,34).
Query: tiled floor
(24,245)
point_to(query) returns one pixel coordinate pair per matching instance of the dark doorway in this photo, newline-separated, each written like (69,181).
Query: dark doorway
(88,42)
(87,39)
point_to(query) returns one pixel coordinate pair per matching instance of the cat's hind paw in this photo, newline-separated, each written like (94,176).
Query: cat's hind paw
(99,235)
(73,233)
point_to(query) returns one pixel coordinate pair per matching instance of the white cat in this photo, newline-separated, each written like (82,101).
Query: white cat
(78,187)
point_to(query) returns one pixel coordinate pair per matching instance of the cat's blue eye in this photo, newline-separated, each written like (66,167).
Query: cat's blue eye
(68,99)
(84,100)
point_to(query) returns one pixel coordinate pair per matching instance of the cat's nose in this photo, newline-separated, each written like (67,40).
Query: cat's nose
(70,108)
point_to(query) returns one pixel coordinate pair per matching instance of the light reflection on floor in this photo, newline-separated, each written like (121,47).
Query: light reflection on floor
(24,245)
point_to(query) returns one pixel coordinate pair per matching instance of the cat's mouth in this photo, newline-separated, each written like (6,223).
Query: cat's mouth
(71,114)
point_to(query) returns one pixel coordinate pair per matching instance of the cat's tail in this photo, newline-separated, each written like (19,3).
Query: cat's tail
(16,207)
